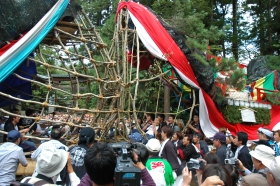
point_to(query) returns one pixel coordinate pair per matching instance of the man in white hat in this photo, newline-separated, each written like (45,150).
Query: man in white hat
(156,164)
(50,163)
(262,156)
(273,172)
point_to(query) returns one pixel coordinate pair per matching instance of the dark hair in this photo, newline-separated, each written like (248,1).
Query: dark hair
(142,152)
(152,116)
(195,115)
(100,161)
(211,158)
(223,130)
(189,137)
(29,112)
(167,130)
(162,116)
(153,153)
(277,131)
(218,170)
(197,134)
(14,111)
(242,136)
(141,121)
(233,173)
(179,134)
(56,133)
(158,136)
(173,117)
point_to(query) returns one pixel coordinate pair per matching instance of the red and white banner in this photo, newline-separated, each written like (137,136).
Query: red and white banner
(158,41)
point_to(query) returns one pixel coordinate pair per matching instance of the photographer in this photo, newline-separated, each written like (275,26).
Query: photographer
(213,180)
(100,162)
(262,156)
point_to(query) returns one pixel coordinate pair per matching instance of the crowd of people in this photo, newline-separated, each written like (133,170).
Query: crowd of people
(166,155)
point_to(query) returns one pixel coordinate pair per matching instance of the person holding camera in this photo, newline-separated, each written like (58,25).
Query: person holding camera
(213,180)
(100,161)
(262,157)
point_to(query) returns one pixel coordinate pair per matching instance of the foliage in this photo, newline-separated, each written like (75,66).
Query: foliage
(273,98)
(273,62)
(98,11)
(232,115)
(237,79)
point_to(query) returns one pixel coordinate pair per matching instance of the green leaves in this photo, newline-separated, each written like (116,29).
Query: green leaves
(232,115)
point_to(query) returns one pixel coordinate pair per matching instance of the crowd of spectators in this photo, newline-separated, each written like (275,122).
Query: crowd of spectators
(166,155)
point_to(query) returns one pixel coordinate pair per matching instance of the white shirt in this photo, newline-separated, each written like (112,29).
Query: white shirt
(150,130)
(237,151)
(46,145)
(162,147)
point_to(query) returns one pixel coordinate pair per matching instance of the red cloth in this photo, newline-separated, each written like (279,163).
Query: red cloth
(178,60)
(181,154)
(8,46)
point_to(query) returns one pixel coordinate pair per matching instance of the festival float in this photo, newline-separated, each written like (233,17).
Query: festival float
(63,57)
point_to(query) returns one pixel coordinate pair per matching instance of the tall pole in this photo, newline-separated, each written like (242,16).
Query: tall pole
(166,101)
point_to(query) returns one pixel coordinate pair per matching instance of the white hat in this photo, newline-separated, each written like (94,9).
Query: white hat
(51,161)
(274,167)
(264,154)
(266,132)
(153,145)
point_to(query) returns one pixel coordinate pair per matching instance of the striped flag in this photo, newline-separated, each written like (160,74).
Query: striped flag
(266,83)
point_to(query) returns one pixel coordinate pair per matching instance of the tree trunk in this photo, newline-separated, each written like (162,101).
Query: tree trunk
(234,28)
(261,34)
(166,101)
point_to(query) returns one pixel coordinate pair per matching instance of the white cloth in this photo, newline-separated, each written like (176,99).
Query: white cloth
(158,176)
(150,130)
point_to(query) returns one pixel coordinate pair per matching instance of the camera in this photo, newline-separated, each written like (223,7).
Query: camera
(125,173)
(195,164)
(231,161)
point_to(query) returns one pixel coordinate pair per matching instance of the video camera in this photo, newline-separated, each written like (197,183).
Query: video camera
(231,161)
(125,173)
(195,164)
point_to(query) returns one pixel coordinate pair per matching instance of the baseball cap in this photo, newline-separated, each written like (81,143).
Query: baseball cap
(266,132)
(264,154)
(87,135)
(13,135)
(219,136)
(153,145)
